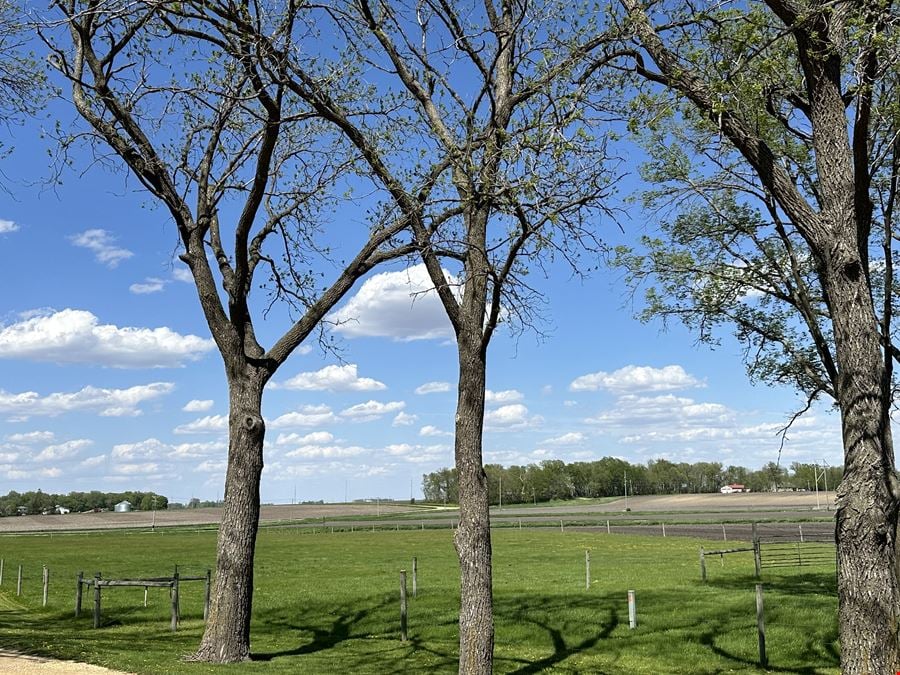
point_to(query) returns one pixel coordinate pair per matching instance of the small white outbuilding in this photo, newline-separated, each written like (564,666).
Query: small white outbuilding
(123,507)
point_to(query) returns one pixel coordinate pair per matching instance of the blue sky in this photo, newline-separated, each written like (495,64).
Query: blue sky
(109,381)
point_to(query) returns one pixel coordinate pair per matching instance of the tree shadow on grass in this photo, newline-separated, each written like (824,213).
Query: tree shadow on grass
(817,650)
(340,630)
(382,652)
(562,650)
(796,583)
(708,639)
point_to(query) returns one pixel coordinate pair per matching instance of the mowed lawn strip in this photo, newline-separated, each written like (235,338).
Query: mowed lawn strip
(329,603)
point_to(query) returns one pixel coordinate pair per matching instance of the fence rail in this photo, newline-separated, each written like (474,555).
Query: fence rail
(173,583)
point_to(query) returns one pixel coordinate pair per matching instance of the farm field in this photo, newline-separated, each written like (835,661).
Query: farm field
(714,508)
(329,603)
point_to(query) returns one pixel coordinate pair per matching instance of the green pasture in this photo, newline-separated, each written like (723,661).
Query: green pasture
(329,603)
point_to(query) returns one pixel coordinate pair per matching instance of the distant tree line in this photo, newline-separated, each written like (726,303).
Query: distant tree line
(554,479)
(44,502)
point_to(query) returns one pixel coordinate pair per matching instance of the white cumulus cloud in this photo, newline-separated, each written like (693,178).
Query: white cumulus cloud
(197,406)
(195,450)
(106,402)
(399,305)
(89,462)
(632,379)
(511,417)
(502,397)
(404,420)
(31,437)
(418,454)
(211,424)
(371,410)
(212,466)
(183,274)
(77,336)
(63,450)
(433,388)
(667,411)
(306,416)
(136,469)
(571,438)
(326,451)
(333,378)
(314,438)
(7,226)
(147,286)
(102,244)
(148,449)
(430,430)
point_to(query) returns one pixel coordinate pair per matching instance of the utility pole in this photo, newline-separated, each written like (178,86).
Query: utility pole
(816,474)
(153,520)
(501,492)
(626,490)
(825,476)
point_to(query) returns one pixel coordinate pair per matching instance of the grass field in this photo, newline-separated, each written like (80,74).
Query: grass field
(329,603)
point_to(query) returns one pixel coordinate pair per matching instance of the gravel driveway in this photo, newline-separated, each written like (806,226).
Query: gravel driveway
(23,664)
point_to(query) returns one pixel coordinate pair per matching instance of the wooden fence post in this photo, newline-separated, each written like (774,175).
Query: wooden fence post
(632,611)
(403,635)
(587,570)
(664,529)
(79,579)
(761,627)
(415,579)
(19,582)
(46,579)
(1,571)
(800,525)
(607,527)
(206,594)
(702,565)
(175,602)
(757,552)
(561,528)
(724,536)
(97,600)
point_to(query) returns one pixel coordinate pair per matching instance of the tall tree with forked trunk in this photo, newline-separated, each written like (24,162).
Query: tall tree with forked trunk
(772,127)
(489,114)
(243,167)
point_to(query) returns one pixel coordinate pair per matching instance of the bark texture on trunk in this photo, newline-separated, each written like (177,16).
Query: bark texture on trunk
(473,536)
(227,635)
(866,522)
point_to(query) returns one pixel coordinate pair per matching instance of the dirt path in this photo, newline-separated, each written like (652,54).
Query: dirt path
(24,664)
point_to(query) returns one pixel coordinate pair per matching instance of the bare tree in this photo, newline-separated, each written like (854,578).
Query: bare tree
(493,108)
(243,168)
(782,163)
(494,163)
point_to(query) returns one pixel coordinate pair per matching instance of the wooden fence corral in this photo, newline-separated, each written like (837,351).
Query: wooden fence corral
(172,583)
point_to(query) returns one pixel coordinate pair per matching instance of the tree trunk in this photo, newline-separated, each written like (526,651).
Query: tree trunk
(866,519)
(227,635)
(473,536)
